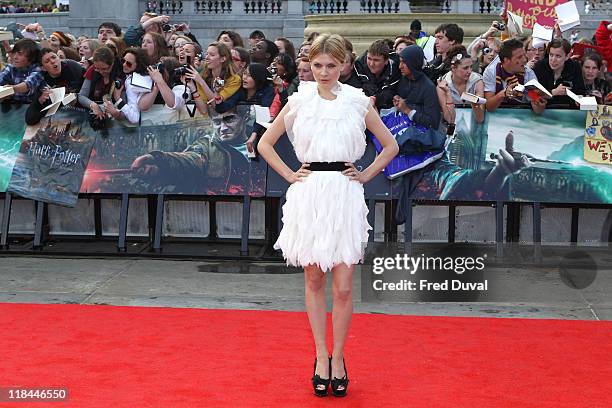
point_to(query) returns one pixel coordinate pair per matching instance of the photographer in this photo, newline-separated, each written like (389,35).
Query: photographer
(172,87)
(189,54)
(149,23)
(283,71)
(99,81)
(218,81)
(483,53)
(133,60)
(66,73)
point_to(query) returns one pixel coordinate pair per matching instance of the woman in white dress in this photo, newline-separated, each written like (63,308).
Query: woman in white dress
(325,224)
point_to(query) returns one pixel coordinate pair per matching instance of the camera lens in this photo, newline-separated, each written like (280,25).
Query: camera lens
(166,27)
(117,83)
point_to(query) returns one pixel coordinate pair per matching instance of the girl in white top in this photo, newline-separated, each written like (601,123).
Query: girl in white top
(325,216)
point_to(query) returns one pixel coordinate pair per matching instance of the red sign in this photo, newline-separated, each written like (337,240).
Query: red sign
(535,11)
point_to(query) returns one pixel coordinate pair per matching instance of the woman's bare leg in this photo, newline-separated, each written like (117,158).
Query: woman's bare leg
(314,279)
(342,312)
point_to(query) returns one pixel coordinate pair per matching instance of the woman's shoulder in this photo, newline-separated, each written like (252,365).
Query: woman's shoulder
(357,100)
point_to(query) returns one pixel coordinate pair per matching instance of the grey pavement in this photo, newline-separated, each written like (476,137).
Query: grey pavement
(520,292)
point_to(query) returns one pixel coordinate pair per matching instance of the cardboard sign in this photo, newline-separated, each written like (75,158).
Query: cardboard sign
(535,11)
(598,136)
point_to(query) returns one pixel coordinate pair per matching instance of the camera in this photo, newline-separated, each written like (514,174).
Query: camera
(500,26)
(219,82)
(182,70)
(272,70)
(166,28)
(159,66)
(117,83)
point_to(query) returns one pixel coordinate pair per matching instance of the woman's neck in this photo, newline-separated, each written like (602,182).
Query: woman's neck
(251,93)
(215,72)
(326,92)
(459,82)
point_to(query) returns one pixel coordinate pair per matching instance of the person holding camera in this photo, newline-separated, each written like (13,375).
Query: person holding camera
(218,81)
(149,23)
(126,95)
(283,72)
(558,72)
(483,53)
(171,87)
(99,81)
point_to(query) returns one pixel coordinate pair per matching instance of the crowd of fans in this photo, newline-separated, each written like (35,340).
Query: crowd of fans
(216,77)
(14,8)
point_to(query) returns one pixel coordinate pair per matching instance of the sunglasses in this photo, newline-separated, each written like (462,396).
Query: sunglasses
(127,63)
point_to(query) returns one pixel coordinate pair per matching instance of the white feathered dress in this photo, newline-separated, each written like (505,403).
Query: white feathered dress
(325,215)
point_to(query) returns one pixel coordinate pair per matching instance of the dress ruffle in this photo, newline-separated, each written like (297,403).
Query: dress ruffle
(325,215)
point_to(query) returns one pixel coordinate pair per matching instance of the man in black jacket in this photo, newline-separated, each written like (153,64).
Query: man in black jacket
(379,74)
(57,74)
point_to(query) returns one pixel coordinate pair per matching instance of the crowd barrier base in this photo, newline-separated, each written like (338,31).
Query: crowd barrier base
(212,247)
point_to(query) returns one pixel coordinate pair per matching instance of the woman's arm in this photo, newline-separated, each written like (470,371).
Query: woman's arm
(195,76)
(386,139)
(166,92)
(148,99)
(265,147)
(446,102)
(479,110)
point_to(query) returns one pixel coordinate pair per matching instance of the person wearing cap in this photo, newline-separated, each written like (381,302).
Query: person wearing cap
(58,39)
(415,30)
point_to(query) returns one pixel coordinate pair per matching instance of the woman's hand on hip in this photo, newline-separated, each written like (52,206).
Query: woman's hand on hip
(301,174)
(354,174)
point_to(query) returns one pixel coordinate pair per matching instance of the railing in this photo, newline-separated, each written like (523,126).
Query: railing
(354,6)
(376,7)
(326,7)
(173,7)
(212,7)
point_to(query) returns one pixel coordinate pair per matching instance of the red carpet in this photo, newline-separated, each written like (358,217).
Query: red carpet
(157,357)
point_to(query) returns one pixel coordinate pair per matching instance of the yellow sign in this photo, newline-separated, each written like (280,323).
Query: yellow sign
(598,135)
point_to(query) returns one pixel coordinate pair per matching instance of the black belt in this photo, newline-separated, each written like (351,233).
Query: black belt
(324,166)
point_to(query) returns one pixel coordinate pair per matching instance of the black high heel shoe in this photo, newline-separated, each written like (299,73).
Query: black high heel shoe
(336,383)
(318,381)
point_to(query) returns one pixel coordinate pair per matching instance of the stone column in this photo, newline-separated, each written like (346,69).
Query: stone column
(293,23)
(463,6)
(86,16)
(354,7)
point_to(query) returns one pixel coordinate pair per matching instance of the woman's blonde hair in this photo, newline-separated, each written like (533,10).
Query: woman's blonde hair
(330,44)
